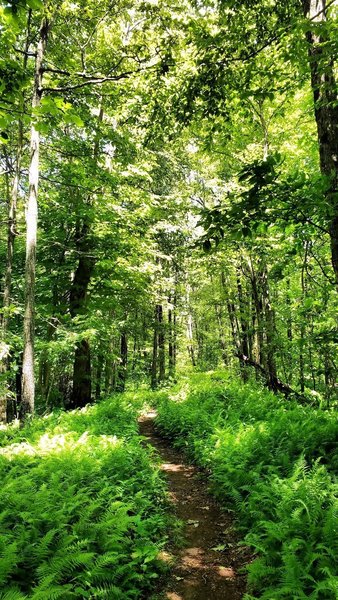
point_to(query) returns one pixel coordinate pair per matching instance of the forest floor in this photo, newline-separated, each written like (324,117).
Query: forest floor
(210,565)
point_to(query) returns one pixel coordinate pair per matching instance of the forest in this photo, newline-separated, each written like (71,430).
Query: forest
(168,309)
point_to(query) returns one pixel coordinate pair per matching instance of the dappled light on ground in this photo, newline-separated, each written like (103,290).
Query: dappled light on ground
(193,558)
(173,596)
(226,572)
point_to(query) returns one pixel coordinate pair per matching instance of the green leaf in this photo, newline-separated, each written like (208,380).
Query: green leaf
(73,119)
(35,4)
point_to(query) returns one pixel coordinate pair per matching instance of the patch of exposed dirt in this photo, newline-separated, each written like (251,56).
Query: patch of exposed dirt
(208,567)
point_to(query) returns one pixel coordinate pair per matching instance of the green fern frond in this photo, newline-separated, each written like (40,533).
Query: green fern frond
(54,592)
(12,594)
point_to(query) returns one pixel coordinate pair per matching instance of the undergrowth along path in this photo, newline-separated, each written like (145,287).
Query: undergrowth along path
(209,565)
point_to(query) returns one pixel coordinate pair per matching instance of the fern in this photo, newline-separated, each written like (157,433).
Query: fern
(8,561)
(75,505)
(266,457)
(12,594)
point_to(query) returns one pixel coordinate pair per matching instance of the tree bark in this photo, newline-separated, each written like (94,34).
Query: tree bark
(243,317)
(99,372)
(171,349)
(270,332)
(161,344)
(122,368)
(81,393)
(155,352)
(82,381)
(190,330)
(323,83)
(221,336)
(28,380)
(258,305)
(12,199)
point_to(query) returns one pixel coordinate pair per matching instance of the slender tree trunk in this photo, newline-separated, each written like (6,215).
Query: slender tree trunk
(99,372)
(172,320)
(171,349)
(312,368)
(190,336)
(161,344)
(28,381)
(257,300)
(324,87)
(154,362)
(243,317)
(271,346)
(122,368)
(221,337)
(175,330)
(190,329)
(303,321)
(108,372)
(232,318)
(289,314)
(12,195)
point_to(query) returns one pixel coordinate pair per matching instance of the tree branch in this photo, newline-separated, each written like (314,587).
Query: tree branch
(94,81)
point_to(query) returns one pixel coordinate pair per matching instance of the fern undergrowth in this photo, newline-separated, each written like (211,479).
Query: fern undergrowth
(275,462)
(83,509)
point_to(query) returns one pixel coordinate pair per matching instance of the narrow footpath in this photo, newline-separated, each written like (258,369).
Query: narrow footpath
(208,567)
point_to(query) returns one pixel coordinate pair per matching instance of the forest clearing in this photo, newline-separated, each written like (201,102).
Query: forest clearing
(168,311)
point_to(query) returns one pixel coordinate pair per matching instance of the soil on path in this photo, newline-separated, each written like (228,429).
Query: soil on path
(200,571)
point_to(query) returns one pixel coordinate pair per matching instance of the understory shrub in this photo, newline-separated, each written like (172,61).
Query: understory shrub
(82,507)
(275,462)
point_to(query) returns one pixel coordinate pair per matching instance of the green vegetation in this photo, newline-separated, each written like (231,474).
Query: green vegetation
(274,462)
(168,204)
(168,194)
(83,507)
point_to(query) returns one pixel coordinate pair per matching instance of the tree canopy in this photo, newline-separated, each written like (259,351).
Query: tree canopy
(171,170)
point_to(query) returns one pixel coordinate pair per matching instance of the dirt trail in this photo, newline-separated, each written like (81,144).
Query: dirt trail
(200,571)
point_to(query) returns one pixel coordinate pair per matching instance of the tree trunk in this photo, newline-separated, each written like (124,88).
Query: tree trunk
(28,381)
(190,330)
(12,199)
(190,336)
(270,332)
(161,344)
(155,353)
(221,337)
(171,337)
(81,393)
(243,317)
(303,322)
(321,61)
(99,372)
(82,384)
(232,317)
(274,384)
(122,368)
(258,305)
